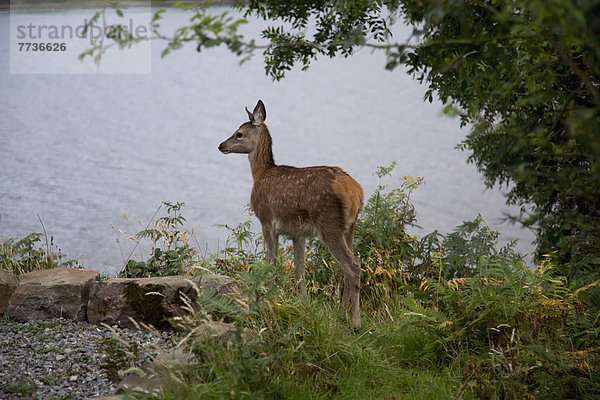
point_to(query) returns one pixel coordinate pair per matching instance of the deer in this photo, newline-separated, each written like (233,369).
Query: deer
(301,203)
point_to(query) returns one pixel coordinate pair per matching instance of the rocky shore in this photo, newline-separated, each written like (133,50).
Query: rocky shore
(67,334)
(64,359)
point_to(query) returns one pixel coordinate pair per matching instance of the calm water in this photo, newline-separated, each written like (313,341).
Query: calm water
(81,151)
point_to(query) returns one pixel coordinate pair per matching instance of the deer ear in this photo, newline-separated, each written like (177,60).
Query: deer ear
(250,115)
(259,114)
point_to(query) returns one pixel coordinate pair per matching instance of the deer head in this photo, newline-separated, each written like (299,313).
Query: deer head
(247,137)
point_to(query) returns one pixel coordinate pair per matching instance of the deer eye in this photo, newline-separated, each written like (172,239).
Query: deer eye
(239,135)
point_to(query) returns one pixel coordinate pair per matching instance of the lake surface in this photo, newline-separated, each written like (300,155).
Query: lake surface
(83,151)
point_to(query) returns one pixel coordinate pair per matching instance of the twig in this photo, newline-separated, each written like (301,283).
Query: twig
(45,237)
(137,243)
(565,57)
(464,385)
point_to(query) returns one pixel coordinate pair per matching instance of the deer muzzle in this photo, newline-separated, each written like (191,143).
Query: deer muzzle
(223,148)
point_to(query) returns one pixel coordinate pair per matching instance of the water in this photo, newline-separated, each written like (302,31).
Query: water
(83,151)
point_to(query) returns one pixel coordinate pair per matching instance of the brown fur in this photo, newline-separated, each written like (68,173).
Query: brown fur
(301,203)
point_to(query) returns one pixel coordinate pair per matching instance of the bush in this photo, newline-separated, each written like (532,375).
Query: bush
(392,260)
(514,332)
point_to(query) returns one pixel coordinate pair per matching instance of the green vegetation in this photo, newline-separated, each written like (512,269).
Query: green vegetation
(454,316)
(38,327)
(523,74)
(451,316)
(118,356)
(27,254)
(444,316)
(171,250)
(25,388)
(488,338)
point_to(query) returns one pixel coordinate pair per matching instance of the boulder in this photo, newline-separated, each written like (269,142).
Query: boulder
(149,300)
(52,293)
(8,285)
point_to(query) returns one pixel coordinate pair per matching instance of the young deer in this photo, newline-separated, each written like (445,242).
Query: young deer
(301,203)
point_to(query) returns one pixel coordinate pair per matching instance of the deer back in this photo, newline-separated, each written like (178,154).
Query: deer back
(299,201)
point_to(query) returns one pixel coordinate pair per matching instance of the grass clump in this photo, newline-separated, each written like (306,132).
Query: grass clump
(118,356)
(280,346)
(25,388)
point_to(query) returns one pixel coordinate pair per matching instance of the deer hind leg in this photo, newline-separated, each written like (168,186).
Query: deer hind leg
(299,263)
(349,239)
(340,250)
(349,236)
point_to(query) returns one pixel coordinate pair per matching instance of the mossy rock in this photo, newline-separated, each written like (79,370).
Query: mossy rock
(147,301)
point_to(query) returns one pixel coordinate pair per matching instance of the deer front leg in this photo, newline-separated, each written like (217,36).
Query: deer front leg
(270,243)
(299,263)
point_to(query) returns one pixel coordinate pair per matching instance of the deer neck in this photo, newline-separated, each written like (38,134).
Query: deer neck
(261,159)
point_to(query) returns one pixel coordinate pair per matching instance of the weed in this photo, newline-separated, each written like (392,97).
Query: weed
(53,377)
(24,388)
(171,252)
(46,350)
(38,327)
(242,248)
(118,356)
(26,254)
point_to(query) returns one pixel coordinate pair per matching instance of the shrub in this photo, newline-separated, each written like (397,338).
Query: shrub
(514,332)
(392,260)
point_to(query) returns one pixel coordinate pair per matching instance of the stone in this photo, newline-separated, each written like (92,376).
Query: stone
(135,383)
(121,301)
(176,358)
(8,285)
(52,293)
(150,379)
(216,329)
(221,284)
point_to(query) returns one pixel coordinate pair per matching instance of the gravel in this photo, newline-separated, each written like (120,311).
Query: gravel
(62,359)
